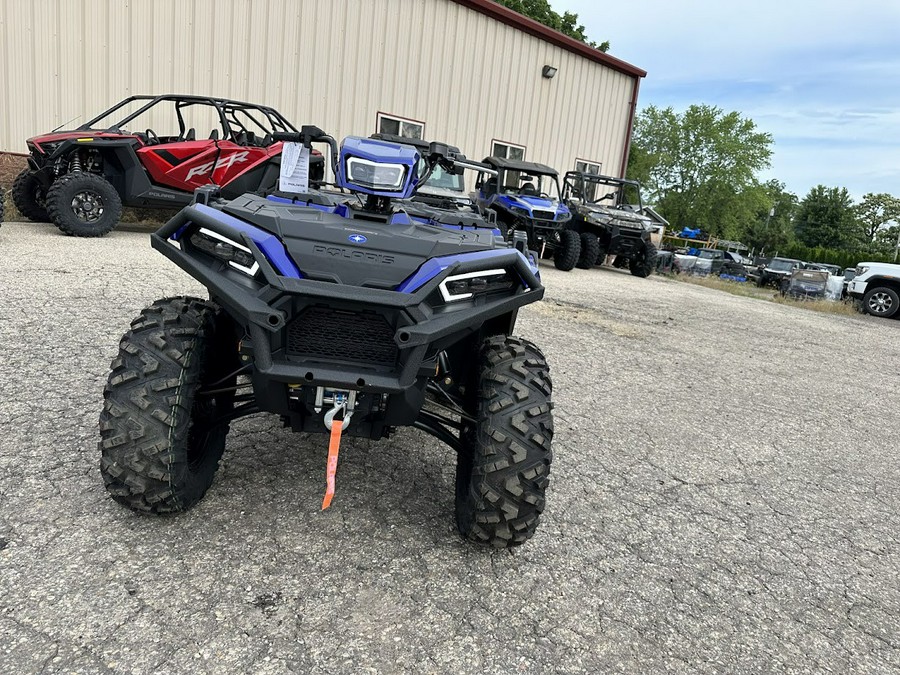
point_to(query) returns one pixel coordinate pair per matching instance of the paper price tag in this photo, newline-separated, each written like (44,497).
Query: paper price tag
(294,175)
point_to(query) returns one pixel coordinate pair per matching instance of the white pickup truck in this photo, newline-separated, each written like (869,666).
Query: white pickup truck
(877,286)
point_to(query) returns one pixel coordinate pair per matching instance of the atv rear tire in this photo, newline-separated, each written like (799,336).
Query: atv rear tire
(503,469)
(590,249)
(645,262)
(84,204)
(159,452)
(29,198)
(567,251)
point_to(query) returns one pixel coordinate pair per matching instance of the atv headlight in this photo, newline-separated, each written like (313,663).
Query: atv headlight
(468,285)
(375,175)
(218,246)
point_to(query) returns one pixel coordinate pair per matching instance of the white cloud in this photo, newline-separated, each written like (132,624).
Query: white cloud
(822,77)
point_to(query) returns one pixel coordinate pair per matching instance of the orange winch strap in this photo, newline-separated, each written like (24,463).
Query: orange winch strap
(334,446)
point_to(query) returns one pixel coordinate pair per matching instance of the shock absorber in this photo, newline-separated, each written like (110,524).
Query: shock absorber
(75,162)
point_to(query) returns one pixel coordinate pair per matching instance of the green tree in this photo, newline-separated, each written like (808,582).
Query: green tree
(876,212)
(826,218)
(700,166)
(773,227)
(566,23)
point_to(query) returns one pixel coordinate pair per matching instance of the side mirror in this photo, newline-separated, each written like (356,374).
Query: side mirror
(436,149)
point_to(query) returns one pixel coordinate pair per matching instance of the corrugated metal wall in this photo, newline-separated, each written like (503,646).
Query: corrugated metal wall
(333,63)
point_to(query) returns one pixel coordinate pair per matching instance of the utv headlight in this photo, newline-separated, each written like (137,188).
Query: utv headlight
(598,218)
(520,211)
(218,246)
(862,269)
(375,175)
(468,285)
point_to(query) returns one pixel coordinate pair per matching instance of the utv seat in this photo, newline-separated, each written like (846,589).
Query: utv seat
(528,190)
(214,135)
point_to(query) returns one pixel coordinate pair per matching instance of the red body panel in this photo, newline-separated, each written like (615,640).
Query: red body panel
(191,164)
(64,135)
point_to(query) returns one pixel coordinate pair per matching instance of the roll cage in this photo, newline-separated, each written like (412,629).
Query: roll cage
(584,186)
(266,118)
(515,170)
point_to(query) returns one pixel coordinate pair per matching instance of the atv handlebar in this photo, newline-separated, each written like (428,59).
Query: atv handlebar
(440,155)
(308,135)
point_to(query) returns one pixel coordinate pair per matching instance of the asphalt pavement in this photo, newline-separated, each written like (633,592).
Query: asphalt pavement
(723,499)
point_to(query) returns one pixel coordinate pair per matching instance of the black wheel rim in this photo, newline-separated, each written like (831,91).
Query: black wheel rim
(87,205)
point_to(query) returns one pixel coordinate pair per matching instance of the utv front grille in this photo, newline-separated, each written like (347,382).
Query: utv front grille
(543,215)
(323,332)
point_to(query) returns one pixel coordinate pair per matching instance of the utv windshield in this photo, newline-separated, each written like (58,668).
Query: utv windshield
(443,179)
(521,184)
(782,265)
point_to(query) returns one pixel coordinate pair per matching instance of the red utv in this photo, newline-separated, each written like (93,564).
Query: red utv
(145,152)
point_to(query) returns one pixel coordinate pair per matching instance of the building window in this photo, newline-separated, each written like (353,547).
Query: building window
(588,167)
(507,150)
(593,168)
(399,126)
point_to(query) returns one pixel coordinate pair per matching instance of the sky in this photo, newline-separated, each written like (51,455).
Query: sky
(823,78)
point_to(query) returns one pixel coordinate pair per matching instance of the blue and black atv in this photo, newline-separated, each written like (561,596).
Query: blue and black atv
(526,198)
(343,314)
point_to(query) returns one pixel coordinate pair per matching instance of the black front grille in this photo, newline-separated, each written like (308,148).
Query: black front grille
(322,332)
(543,215)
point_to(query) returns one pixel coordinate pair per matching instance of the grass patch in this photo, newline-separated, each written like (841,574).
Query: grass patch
(750,290)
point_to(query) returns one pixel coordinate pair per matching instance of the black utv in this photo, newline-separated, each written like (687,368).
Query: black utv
(776,271)
(607,214)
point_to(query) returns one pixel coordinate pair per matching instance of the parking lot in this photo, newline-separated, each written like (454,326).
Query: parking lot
(724,498)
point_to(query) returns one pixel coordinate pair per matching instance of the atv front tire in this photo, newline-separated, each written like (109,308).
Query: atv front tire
(644,263)
(84,204)
(29,198)
(159,445)
(590,250)
(567,251)
(503,470)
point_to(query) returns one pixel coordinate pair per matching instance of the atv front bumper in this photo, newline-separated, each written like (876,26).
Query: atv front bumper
(301,332)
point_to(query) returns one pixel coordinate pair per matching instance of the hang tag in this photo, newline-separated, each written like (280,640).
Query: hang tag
(334,446)
(294,176)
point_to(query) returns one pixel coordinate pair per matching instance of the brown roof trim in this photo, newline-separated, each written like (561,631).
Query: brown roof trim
(632,110)
(532,27)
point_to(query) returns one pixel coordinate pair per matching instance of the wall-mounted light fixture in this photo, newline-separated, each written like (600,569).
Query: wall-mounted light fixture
(548,72)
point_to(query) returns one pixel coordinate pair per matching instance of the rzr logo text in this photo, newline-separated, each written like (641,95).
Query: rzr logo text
(225,163)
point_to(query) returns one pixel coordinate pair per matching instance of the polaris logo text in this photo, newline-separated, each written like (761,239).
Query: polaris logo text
(225,163)
(355,255)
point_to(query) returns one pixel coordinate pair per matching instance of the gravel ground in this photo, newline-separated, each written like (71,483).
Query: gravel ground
(723,499)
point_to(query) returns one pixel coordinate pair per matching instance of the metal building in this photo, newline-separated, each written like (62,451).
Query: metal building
(468,72)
